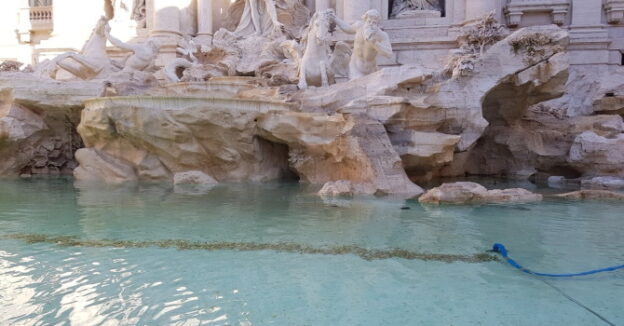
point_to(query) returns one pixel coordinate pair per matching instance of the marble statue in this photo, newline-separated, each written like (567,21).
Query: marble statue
(317,66)
(253,33)
(370,42)
(257,17)
(143,54)
(190,68)
(408,7)
(92,62)
(269,18)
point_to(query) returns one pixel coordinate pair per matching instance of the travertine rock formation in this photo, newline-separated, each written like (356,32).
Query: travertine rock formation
(598,155)
(371,133)
(38,122)
(499,116)
(99,166)
(434,121)
(572,136)
(193,178)
(474,193)
(337,188)
(241,139)
(607,183)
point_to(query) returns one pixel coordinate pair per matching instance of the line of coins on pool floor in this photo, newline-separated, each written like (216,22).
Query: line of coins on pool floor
(364,253)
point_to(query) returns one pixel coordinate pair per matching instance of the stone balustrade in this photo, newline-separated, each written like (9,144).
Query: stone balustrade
(41,18)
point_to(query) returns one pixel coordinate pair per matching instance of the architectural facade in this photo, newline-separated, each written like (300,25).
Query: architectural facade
(422,32)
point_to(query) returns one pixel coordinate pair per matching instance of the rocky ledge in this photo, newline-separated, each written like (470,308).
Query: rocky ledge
(377,134)
(371,135)
(474,193)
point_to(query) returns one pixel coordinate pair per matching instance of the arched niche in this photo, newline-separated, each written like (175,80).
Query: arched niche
(387,5)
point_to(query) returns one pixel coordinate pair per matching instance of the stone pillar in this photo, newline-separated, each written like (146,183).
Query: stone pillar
(166,19)
(476,9)
(321,5)
(587,12)
(589,38)
(204,21)
(166,28)
(354,9)
(459,11)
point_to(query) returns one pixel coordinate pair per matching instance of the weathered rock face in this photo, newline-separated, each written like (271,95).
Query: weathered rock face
(38,122)
(598,155)
(337,188)
(372,132)
(603,183)
(474,193)
(236,139)
(434,120)
(574,135)
(193,178)
(99,166)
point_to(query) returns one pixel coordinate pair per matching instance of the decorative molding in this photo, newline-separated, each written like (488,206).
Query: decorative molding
(615,11)
(558,9)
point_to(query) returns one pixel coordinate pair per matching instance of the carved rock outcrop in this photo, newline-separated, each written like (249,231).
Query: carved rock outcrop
(595,154)
(605,183)
(236,139)
(38,122)
(433,120)
(474,193)
(538,141)
(98,166)
(368,131)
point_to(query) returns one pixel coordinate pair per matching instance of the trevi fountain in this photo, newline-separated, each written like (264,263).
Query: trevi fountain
(317,162)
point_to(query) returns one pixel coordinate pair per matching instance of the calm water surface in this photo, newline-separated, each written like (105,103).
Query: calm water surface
(74,254)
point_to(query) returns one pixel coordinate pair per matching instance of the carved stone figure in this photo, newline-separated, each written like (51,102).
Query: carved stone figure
(317,66)
(143,54)
(267,17)
(192,69)
(258,17)
(92,62)
(405,7)
(253,34)
(370,42)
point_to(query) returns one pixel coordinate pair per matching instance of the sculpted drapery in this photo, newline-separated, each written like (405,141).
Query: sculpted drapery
(263,17)
(257,17)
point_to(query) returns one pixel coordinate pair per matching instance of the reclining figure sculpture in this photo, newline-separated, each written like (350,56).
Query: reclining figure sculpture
(90,63)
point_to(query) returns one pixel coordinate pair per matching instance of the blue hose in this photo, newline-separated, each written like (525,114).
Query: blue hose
(499,248)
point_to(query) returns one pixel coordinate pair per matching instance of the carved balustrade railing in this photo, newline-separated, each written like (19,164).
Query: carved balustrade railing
(41,17)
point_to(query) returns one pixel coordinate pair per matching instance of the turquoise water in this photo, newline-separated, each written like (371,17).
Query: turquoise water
(276,254)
